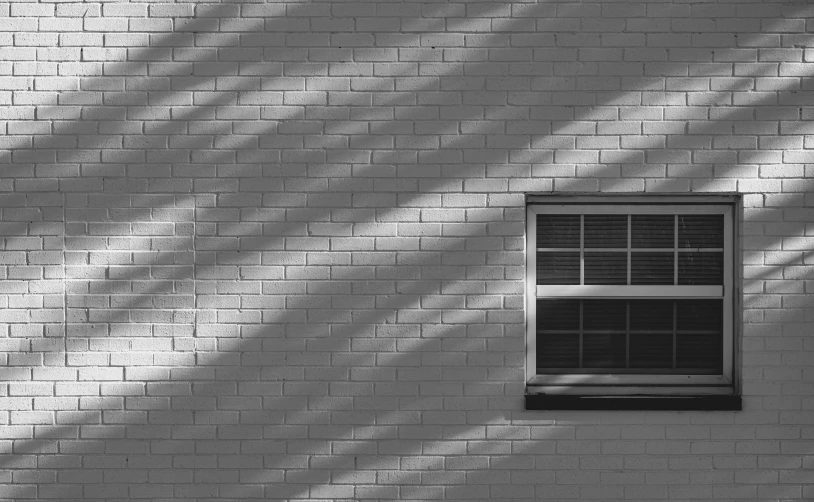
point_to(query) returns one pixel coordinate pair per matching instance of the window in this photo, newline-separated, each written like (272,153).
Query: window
(631,297)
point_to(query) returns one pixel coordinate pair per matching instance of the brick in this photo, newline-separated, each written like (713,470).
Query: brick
(348,182)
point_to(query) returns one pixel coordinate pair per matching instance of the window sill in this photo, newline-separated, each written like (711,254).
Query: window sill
(638,402)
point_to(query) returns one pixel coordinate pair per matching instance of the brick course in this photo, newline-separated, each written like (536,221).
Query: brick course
(275,250)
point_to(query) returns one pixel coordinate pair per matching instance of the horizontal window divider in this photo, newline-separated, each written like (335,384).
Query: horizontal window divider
(623,291)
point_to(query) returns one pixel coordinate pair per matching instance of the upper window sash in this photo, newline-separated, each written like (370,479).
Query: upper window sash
(629,291)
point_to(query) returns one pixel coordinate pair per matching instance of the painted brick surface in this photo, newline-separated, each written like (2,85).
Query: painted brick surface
(275,250)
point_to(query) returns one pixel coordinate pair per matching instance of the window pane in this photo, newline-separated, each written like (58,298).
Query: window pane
(604,350)
(700,268)
(651,337)
(652,268)
(652,230)
(554,315)
(560,350)
(699,315)
(650,350)
(700,336)
(604,315)
(605,231)
(605,268)
(558,231)
(557,268)
(699,351)
(556,349)
(701,231)
(651,315)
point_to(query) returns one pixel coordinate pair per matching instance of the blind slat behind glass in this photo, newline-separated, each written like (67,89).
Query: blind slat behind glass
(698,268)
(558,230)
(652,268)
(605,231)
(700,231)
(652,231)
(605,268)
(558,268)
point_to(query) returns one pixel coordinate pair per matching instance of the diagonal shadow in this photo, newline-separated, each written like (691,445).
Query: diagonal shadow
(438,186)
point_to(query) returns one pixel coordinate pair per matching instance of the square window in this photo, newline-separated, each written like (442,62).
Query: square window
(632,297)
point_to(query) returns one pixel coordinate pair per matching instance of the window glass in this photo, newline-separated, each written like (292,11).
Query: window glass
(558,231)
(652,268)
(558,268)
(700,231)
(558,333)
(605,268)
(652,230)
(699,334)
(605,231)
(696,268)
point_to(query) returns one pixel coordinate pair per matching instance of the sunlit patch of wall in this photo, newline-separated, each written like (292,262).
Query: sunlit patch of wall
(275,250)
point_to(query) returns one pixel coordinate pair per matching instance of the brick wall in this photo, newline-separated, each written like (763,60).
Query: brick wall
(275,250)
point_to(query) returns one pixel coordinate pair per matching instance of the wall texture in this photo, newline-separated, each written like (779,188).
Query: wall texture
(275,250)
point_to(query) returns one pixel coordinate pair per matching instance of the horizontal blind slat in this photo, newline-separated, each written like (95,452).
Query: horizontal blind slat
(558,268)
(605,268)
(700,268)
(652,231)
(700,231)
(651,268)
(558,231)
(605,230)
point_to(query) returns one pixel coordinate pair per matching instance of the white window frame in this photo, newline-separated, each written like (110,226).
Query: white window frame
(636,384)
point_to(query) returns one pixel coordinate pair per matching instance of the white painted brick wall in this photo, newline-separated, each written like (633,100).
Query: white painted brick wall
(275,250)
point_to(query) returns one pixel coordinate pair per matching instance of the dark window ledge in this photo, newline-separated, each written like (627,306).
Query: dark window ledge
(639,402)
